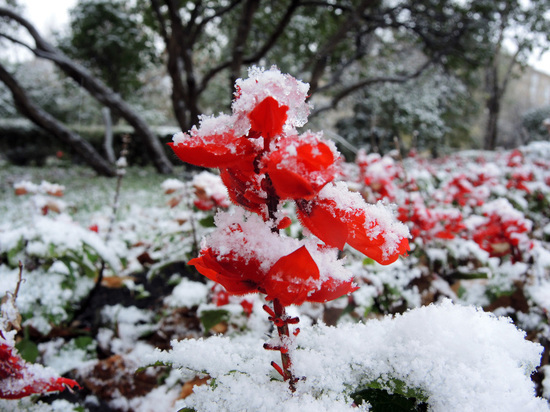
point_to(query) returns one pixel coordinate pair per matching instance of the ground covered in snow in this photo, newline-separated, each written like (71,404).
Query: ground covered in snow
(459,324)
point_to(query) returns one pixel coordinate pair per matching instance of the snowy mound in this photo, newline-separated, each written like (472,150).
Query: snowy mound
(458,358)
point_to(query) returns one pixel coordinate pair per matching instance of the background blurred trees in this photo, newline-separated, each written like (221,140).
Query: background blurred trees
(338,47)
(408,69)
(525,26)
(110,39)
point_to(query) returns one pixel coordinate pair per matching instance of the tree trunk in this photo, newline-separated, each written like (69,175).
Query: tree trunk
(491,128)
(49,123)
(108,142)
(97,89)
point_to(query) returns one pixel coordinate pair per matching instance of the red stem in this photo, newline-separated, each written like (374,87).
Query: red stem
(283,330)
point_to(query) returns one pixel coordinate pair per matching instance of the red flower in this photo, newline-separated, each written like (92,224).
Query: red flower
(292,278)
(505,231)
(19,379)
(338,216)
(301,166)
(247,307)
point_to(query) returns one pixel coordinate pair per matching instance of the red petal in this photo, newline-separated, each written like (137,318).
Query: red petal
(268,118)
(19,380)
(332,289)
(292,278)
(237,275)
(375,247)
(243,187)
(320,221)
(300,166)
(316,156)
(214,151)
(290,185)
(284,223)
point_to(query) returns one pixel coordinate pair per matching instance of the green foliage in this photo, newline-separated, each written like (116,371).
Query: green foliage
(393,396)
(109,37)
(533,123)
(210,318)
(27,348)
(382,401)
(427,114)
(207,221)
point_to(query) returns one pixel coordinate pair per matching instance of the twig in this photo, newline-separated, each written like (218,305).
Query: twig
(121,172)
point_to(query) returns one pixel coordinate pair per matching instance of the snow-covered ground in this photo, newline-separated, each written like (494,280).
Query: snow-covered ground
(459,324)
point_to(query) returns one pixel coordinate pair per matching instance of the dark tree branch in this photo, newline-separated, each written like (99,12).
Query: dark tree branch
(275,35)
(155,6)
(262,51)
(336,77)
(319,63)
(47,122)
(241,38)
(218,12)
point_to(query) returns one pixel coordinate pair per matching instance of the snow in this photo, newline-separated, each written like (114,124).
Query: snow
(187,294)
(284,88)
(491,364)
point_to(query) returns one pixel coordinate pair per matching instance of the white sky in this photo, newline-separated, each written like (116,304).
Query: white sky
(48,15)
(53,15)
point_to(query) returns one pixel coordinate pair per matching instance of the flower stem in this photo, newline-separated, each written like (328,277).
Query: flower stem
(281,322)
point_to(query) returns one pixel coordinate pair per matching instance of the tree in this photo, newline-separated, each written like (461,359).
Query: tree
(93,85)
(43,119)
(524,25)
(111,40)
(430,111)
(339,47)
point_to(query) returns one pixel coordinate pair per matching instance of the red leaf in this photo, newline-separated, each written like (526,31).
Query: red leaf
(268,118)
(214,151)
(292,278)
(320,220)
(19,379)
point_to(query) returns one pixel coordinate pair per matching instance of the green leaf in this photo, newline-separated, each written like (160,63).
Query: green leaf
(83,342)
(186,410)
(368,261)
(383,401)
(27,348)
(152,365)
(401,399)
(210,318)
(207,221)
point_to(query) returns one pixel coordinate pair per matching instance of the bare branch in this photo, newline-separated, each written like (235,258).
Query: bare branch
(162,22)
(218,12)
(262,51)
(279,30)
(241,37)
